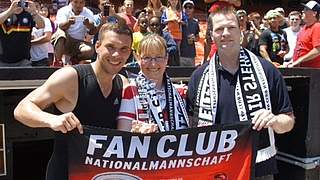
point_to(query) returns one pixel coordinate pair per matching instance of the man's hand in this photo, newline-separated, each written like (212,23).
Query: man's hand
(103,19)
(88,24)
(282,53)
(263,119)
(14,8)
(31,8)
(143,128)
(71,20)
(66,122)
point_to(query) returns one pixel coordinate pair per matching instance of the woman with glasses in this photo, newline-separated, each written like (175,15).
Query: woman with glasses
(150,101)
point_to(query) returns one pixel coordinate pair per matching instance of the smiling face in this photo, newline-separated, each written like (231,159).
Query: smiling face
(113,50)
(143,23)
(226,32)
(155,25)
(294,20)
(153,57)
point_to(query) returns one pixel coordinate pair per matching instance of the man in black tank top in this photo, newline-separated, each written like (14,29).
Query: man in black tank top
(83,95)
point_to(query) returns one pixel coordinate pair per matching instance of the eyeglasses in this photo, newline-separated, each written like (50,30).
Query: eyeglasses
(156,59)
(188,7)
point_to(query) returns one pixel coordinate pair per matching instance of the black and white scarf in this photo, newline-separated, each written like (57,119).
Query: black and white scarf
(151,108)
(251,94)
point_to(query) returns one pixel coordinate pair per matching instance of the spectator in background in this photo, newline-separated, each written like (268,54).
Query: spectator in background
(244,29)
(264,23)
(15,35)
(173,18)
(101,18)
(292,33)
(254,32)
(155,27)
(283,20)
(44,11)
(307,51)
(190,35)
(40,42)
(74,21)
(273,44)
(154,8)
(106,10)
(143,24)
(128,13)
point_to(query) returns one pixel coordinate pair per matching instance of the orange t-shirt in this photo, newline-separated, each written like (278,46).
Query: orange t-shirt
(173,26)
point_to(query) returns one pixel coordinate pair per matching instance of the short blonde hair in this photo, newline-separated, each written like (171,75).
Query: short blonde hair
(152,43)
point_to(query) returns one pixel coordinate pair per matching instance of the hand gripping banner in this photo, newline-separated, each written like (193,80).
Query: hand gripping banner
(213,152)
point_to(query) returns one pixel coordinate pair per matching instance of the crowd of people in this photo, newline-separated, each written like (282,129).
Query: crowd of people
(238,80)
(71,38)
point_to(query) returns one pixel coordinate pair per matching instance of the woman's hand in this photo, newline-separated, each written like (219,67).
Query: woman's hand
(143,128)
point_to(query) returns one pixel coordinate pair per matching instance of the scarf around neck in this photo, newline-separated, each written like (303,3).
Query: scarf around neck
(151,109)
(251,94)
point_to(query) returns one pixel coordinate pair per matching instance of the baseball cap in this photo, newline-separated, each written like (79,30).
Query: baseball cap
(312,5)
(187,2)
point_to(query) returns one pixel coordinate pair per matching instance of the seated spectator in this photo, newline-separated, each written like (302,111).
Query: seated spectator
(155,27)
(15,35)
(190,35)
(273,44)
(74,21)
(40,42)
(128,13)
(152,84)
(292,34)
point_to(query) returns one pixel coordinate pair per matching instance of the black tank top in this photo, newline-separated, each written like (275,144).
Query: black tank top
(92,109)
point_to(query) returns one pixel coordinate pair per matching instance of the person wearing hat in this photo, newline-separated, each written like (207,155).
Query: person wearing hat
(190,34)
(273,44)
(307,50)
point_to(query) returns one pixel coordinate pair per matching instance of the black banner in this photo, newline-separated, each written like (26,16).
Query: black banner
(223,152)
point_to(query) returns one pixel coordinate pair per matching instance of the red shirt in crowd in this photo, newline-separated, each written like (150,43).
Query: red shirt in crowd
(308,38)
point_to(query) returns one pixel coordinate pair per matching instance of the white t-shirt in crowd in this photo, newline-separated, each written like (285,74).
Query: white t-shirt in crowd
(40,51)
(78,29)
(292,39)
